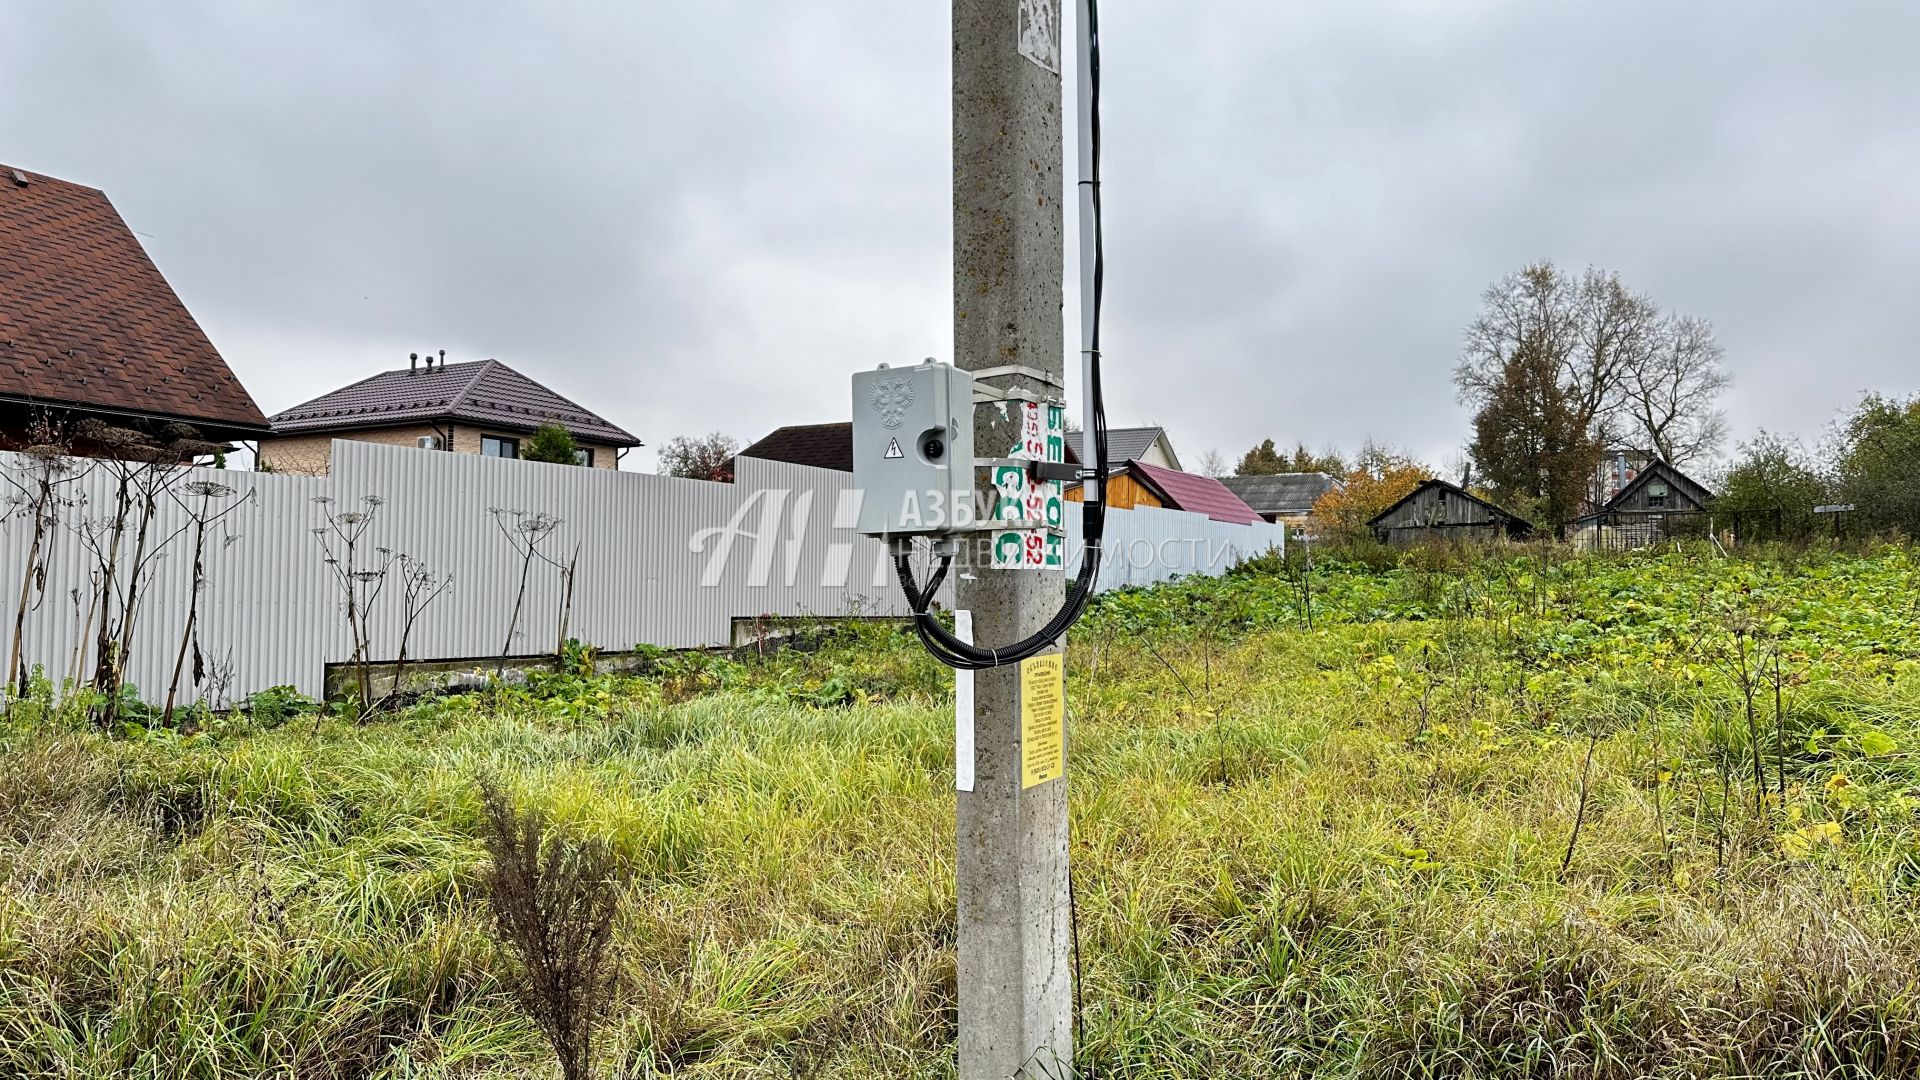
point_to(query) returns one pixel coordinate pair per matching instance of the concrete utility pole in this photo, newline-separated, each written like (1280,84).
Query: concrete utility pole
(1015,982)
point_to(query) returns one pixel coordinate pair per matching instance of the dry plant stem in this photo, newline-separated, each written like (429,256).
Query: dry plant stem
(1580,811)
(145,467)
(526,533)
(420,588)
(566,602)
(360,587)
(49,472)
(554,901)
(203,519)
(108,561)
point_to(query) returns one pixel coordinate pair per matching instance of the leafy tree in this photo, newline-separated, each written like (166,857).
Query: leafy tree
(1588,331)
(1267,460)
(553,444)
(1262,460)
(1381,476)
(1625,371)
(699,457)
(1532,444)
(1878,462)
(1771,473)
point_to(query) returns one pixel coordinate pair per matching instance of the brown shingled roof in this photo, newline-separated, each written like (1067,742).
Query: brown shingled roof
(86,320)
(823,446)
(485,392)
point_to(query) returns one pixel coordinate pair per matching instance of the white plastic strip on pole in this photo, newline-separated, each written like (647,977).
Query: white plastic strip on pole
(963,710)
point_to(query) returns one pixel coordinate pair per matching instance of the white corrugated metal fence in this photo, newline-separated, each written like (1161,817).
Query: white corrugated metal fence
(660,561)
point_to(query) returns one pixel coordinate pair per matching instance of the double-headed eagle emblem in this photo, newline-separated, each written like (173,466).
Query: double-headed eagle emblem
(890,399)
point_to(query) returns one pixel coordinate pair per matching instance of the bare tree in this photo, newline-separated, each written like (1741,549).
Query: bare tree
(204,517)
(1669,395)
(1213,463)
(699,457)
(1591,329)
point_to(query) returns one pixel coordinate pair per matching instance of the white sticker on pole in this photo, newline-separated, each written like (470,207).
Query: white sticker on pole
(963,710)
(1040,33)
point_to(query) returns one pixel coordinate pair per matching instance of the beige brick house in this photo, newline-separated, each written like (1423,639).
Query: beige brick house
(480,407)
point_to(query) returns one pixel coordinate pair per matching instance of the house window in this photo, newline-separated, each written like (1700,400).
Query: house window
(499,446)
(583,457)
(1656,496)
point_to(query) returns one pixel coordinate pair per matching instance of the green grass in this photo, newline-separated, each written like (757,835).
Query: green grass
(1333,852)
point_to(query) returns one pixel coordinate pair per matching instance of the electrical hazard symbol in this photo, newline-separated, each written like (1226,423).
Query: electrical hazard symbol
(893,449)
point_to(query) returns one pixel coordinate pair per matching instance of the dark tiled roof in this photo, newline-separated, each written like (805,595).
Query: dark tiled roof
(823,446)
(484,392)
(1199,494)
(1282,493)
(1123,444)
(86,319)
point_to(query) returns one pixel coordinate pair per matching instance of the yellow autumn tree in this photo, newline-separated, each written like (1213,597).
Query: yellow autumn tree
(1381,476)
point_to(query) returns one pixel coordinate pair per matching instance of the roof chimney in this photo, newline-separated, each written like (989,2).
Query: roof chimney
(20,178)
(443,358)
(413,363)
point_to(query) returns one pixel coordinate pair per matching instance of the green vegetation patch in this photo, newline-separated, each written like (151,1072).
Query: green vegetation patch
(1513,816)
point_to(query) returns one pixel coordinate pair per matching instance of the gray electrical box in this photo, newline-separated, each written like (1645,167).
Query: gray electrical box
(913,449)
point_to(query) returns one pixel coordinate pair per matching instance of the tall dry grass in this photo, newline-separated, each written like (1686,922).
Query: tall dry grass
(1326,853)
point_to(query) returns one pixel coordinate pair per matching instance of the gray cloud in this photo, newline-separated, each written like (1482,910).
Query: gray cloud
(699,216)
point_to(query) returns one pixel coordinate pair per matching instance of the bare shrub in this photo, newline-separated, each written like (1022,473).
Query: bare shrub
(38,495)
(204,515)
(419,587)
(527,531)
(554,899)
(127,544)
(360,576)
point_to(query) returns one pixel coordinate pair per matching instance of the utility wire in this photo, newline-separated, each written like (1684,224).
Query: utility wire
(947,648)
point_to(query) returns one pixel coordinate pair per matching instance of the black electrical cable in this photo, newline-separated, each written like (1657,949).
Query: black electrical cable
(947,648)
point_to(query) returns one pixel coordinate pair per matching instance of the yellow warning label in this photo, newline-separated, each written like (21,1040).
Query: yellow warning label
(1043,720)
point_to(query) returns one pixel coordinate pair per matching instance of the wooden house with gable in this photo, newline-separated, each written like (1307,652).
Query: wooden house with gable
(1439,512)
(1659,502)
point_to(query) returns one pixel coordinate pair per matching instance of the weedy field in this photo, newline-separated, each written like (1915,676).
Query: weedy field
(1520,815)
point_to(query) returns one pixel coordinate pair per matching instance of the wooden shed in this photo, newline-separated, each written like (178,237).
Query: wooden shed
(1437,511)
(1660,502)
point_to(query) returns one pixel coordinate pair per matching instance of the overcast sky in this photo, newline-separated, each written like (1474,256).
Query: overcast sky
(695,216)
